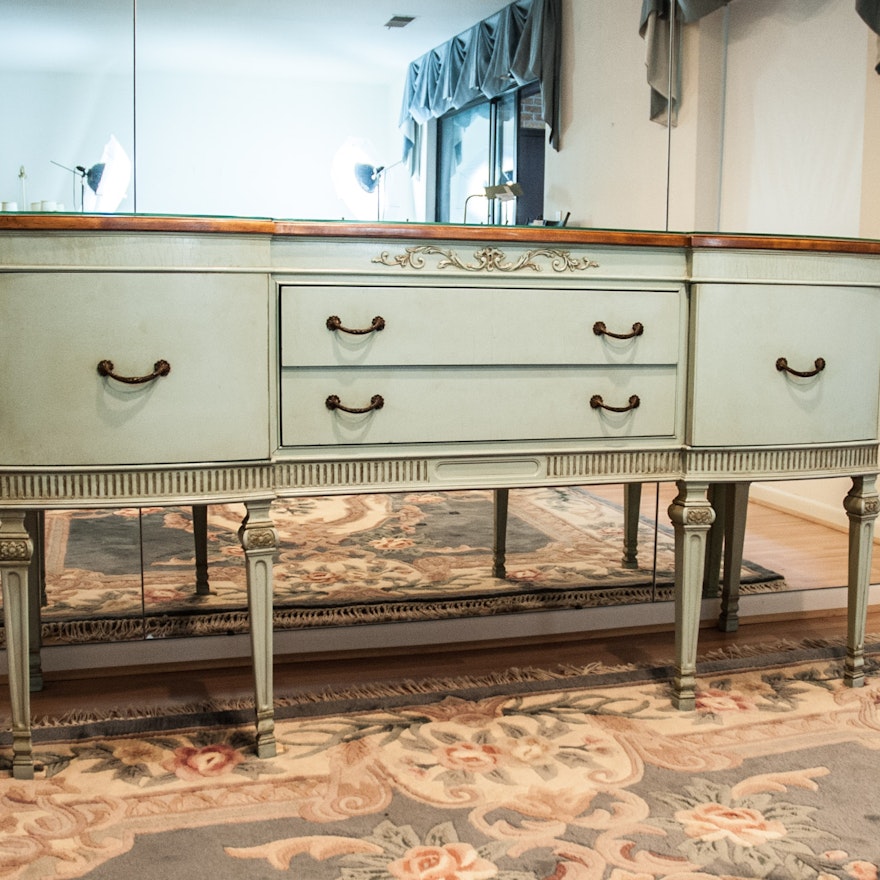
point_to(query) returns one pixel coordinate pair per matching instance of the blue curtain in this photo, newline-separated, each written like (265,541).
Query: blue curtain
(514,47)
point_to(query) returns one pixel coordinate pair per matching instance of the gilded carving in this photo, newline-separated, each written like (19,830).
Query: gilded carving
(699,516)
(259,539)
(488,259)
(867,506)
(13,550)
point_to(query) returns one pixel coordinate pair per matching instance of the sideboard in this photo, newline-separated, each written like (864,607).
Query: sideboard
(165,361)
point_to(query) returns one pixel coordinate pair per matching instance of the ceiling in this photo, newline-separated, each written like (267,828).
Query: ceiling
(330,38)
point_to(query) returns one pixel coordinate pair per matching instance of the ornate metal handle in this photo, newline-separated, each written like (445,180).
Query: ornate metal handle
(783,367)
(160,368)
(335,323)
(596,402)
(376,402)
(600,329)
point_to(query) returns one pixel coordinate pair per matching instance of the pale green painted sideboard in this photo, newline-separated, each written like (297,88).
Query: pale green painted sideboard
(165,361)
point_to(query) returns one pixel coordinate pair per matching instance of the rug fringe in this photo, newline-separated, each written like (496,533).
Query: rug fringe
(232,621)
(434,686)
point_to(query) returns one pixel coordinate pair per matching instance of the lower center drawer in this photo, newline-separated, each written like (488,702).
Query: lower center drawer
(427,405)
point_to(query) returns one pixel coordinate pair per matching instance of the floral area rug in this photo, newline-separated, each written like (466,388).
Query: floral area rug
(115,574)
(582,776)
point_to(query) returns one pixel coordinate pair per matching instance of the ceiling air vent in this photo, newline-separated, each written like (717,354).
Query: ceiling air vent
(399,21)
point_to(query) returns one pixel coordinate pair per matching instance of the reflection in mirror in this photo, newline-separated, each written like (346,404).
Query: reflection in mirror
(262,110)
(128,574)
(251,110)
(779,119)
(66,92)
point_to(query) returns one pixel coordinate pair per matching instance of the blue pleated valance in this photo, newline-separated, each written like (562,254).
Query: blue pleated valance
(515,46)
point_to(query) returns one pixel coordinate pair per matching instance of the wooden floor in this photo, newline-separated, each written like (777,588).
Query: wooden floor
(808,555)
(184,684)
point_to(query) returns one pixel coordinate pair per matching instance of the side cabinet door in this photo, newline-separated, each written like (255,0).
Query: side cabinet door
(745,335)
(55,407)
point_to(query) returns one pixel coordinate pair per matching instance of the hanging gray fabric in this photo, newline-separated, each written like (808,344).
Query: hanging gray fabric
(869,10)
(654,28)
(518,45)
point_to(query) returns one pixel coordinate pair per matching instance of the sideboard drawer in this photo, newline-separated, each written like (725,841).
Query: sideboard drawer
(55,407)
(740,395)
(426,405)
(446,326)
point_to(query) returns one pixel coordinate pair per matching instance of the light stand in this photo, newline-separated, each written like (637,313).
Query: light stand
(504,192)
(92,176)
(371,178)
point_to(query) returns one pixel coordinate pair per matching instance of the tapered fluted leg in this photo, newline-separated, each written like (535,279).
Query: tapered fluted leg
(632,502)
(200,541)
(736,506)
(862,506)
(715,543)
(16,550)
(260,540)
(499,550)
(692,517)
(35,523)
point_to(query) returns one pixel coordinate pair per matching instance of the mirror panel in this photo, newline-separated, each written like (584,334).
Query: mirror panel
(793,134)
(778,118)
(243,120)
(66,88)
(262,110)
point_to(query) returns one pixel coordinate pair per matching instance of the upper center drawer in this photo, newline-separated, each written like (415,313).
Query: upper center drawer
(445,326)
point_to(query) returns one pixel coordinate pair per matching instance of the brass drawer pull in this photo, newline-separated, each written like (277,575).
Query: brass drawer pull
(376,402)
(334,322)
(783,367)
(600,329)
(596,402)
(160,368)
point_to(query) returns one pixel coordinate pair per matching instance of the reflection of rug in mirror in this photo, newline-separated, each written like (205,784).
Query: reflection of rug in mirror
(352,559)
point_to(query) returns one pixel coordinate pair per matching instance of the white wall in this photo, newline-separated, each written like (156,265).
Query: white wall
(794,117)
(869,226)
(611,170)
(62,117)
(257,146)
(226,144)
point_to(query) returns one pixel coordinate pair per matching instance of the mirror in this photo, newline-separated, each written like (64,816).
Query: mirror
(249,111)
(261,109)
(66,76)
(779,122)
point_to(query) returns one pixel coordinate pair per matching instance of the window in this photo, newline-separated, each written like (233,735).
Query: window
(490,143)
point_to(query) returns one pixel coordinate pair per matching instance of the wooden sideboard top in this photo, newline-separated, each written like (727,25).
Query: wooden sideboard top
(26,222)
